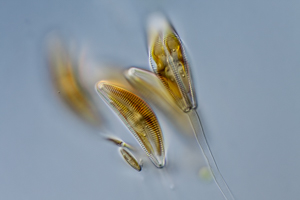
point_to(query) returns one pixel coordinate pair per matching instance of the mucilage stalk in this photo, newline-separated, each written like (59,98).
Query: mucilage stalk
(203,144)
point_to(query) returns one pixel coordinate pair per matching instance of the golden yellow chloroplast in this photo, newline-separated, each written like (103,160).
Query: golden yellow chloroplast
(138,117)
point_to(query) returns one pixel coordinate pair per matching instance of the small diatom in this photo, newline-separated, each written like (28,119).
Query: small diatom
(168,60)
(138,117)
(130,159)
(119,143)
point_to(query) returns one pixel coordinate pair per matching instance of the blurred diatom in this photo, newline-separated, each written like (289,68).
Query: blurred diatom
(168,60)
(138,117)
(130,159)
(63,71)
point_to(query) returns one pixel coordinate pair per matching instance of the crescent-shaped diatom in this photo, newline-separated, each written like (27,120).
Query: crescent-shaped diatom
(137,115)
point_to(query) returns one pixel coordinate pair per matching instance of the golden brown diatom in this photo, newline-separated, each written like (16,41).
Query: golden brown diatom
(66,83)
(166,47)
(130,159)
(176,52)
(163,69)
(162,33)
(138,117)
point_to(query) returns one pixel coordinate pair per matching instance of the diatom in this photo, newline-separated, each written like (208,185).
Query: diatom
(130,159)
(138,117)
(119,143)
(168,60)
(66,82)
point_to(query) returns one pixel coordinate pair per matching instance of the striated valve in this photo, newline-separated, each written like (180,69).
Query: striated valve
(168,60)
(138,117)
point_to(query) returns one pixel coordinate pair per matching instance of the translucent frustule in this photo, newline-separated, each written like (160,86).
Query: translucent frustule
(138,117)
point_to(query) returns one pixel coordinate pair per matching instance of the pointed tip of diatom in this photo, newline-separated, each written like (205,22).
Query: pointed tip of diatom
(160,163)
(131,71)
(100,85)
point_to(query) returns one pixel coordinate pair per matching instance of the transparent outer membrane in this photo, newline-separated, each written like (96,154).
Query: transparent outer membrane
(168,60)
(138,117)
(130,159)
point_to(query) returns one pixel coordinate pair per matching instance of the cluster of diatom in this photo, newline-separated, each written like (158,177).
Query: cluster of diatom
(171,73)
(168,61)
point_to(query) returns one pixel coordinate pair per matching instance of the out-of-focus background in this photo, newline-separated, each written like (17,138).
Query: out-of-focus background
(245,59)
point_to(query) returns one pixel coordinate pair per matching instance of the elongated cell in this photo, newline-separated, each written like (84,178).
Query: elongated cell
(179,64)
(138,117)
(119,142)
(62,68)
(168,60)
(130,159)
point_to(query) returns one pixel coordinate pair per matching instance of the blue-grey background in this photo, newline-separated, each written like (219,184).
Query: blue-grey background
(245,59)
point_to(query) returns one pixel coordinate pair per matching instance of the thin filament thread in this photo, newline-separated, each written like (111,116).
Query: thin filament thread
(202,142)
